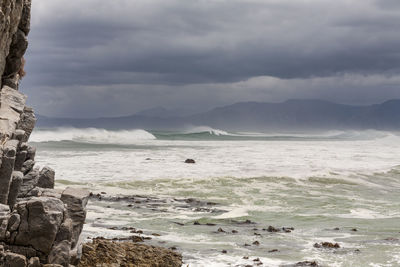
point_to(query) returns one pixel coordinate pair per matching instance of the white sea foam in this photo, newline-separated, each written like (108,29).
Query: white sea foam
(205,129)
(91,135)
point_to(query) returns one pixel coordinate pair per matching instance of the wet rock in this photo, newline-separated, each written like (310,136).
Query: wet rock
(256,243)
(307,263)
(224,251)
(234,231)
(354,230)
(272,229)
(220,230)
(327,245)
(190,161)
(244,222)
(273,250)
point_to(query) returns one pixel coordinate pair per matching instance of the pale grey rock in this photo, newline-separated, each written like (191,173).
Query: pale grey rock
(12,105)
(4,210)
(3,228)
(42,220)
(6,169)
(16,182)
(29,182)
(27,122)
(31,152)
(19,135)
(76,200)
(65,231)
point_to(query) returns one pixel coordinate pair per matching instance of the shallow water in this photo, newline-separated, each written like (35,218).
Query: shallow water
(314,183)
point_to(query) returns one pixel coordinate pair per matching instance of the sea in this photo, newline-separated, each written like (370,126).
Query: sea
(258,199)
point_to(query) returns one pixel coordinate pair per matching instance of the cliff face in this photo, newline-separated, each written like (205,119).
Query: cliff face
(38,224)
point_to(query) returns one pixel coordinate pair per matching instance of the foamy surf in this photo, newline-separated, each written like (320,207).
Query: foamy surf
(91,135)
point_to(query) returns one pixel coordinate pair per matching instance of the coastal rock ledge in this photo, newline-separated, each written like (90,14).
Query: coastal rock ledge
(39,226)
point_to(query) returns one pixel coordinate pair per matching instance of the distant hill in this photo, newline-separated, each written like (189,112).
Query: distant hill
(291,115)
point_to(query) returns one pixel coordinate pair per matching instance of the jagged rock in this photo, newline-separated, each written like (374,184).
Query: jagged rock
(46,178)
(6,169)
(65,231)
(20,159)
(25,21)
(16,182)
(11,12)
(12,105)
(29,182)
(27,166)
(40,222)
(60,253)
(31,152)
(27,123)
(18,47)
(76,200)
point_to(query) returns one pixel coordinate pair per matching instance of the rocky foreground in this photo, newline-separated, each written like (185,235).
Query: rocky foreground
(40,225)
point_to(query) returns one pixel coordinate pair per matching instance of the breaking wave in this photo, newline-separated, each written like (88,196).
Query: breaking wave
(91,135)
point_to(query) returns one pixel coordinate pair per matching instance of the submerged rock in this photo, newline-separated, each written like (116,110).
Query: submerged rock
(111,253)
(326,245)
(190,161)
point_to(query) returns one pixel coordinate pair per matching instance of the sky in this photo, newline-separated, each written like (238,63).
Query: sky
(97,58)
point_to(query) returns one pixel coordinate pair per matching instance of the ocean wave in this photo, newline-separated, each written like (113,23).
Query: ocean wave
(205,129)
(91,135)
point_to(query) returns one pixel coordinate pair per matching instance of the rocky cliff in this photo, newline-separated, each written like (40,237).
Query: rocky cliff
(38,224)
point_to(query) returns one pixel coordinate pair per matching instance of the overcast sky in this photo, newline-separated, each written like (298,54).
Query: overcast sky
(91,58)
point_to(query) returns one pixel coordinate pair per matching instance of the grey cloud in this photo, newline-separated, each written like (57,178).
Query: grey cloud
(198,51)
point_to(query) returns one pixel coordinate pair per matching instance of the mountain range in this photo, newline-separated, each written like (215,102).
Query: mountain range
(291,115)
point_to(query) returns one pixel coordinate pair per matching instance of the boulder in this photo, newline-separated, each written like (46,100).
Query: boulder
(76,200)
(40,220)
(46,178)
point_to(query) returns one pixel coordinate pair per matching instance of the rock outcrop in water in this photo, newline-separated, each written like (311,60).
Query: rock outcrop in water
(38,224)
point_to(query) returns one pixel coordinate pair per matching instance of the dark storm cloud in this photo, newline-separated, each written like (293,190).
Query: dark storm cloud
(140,53)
